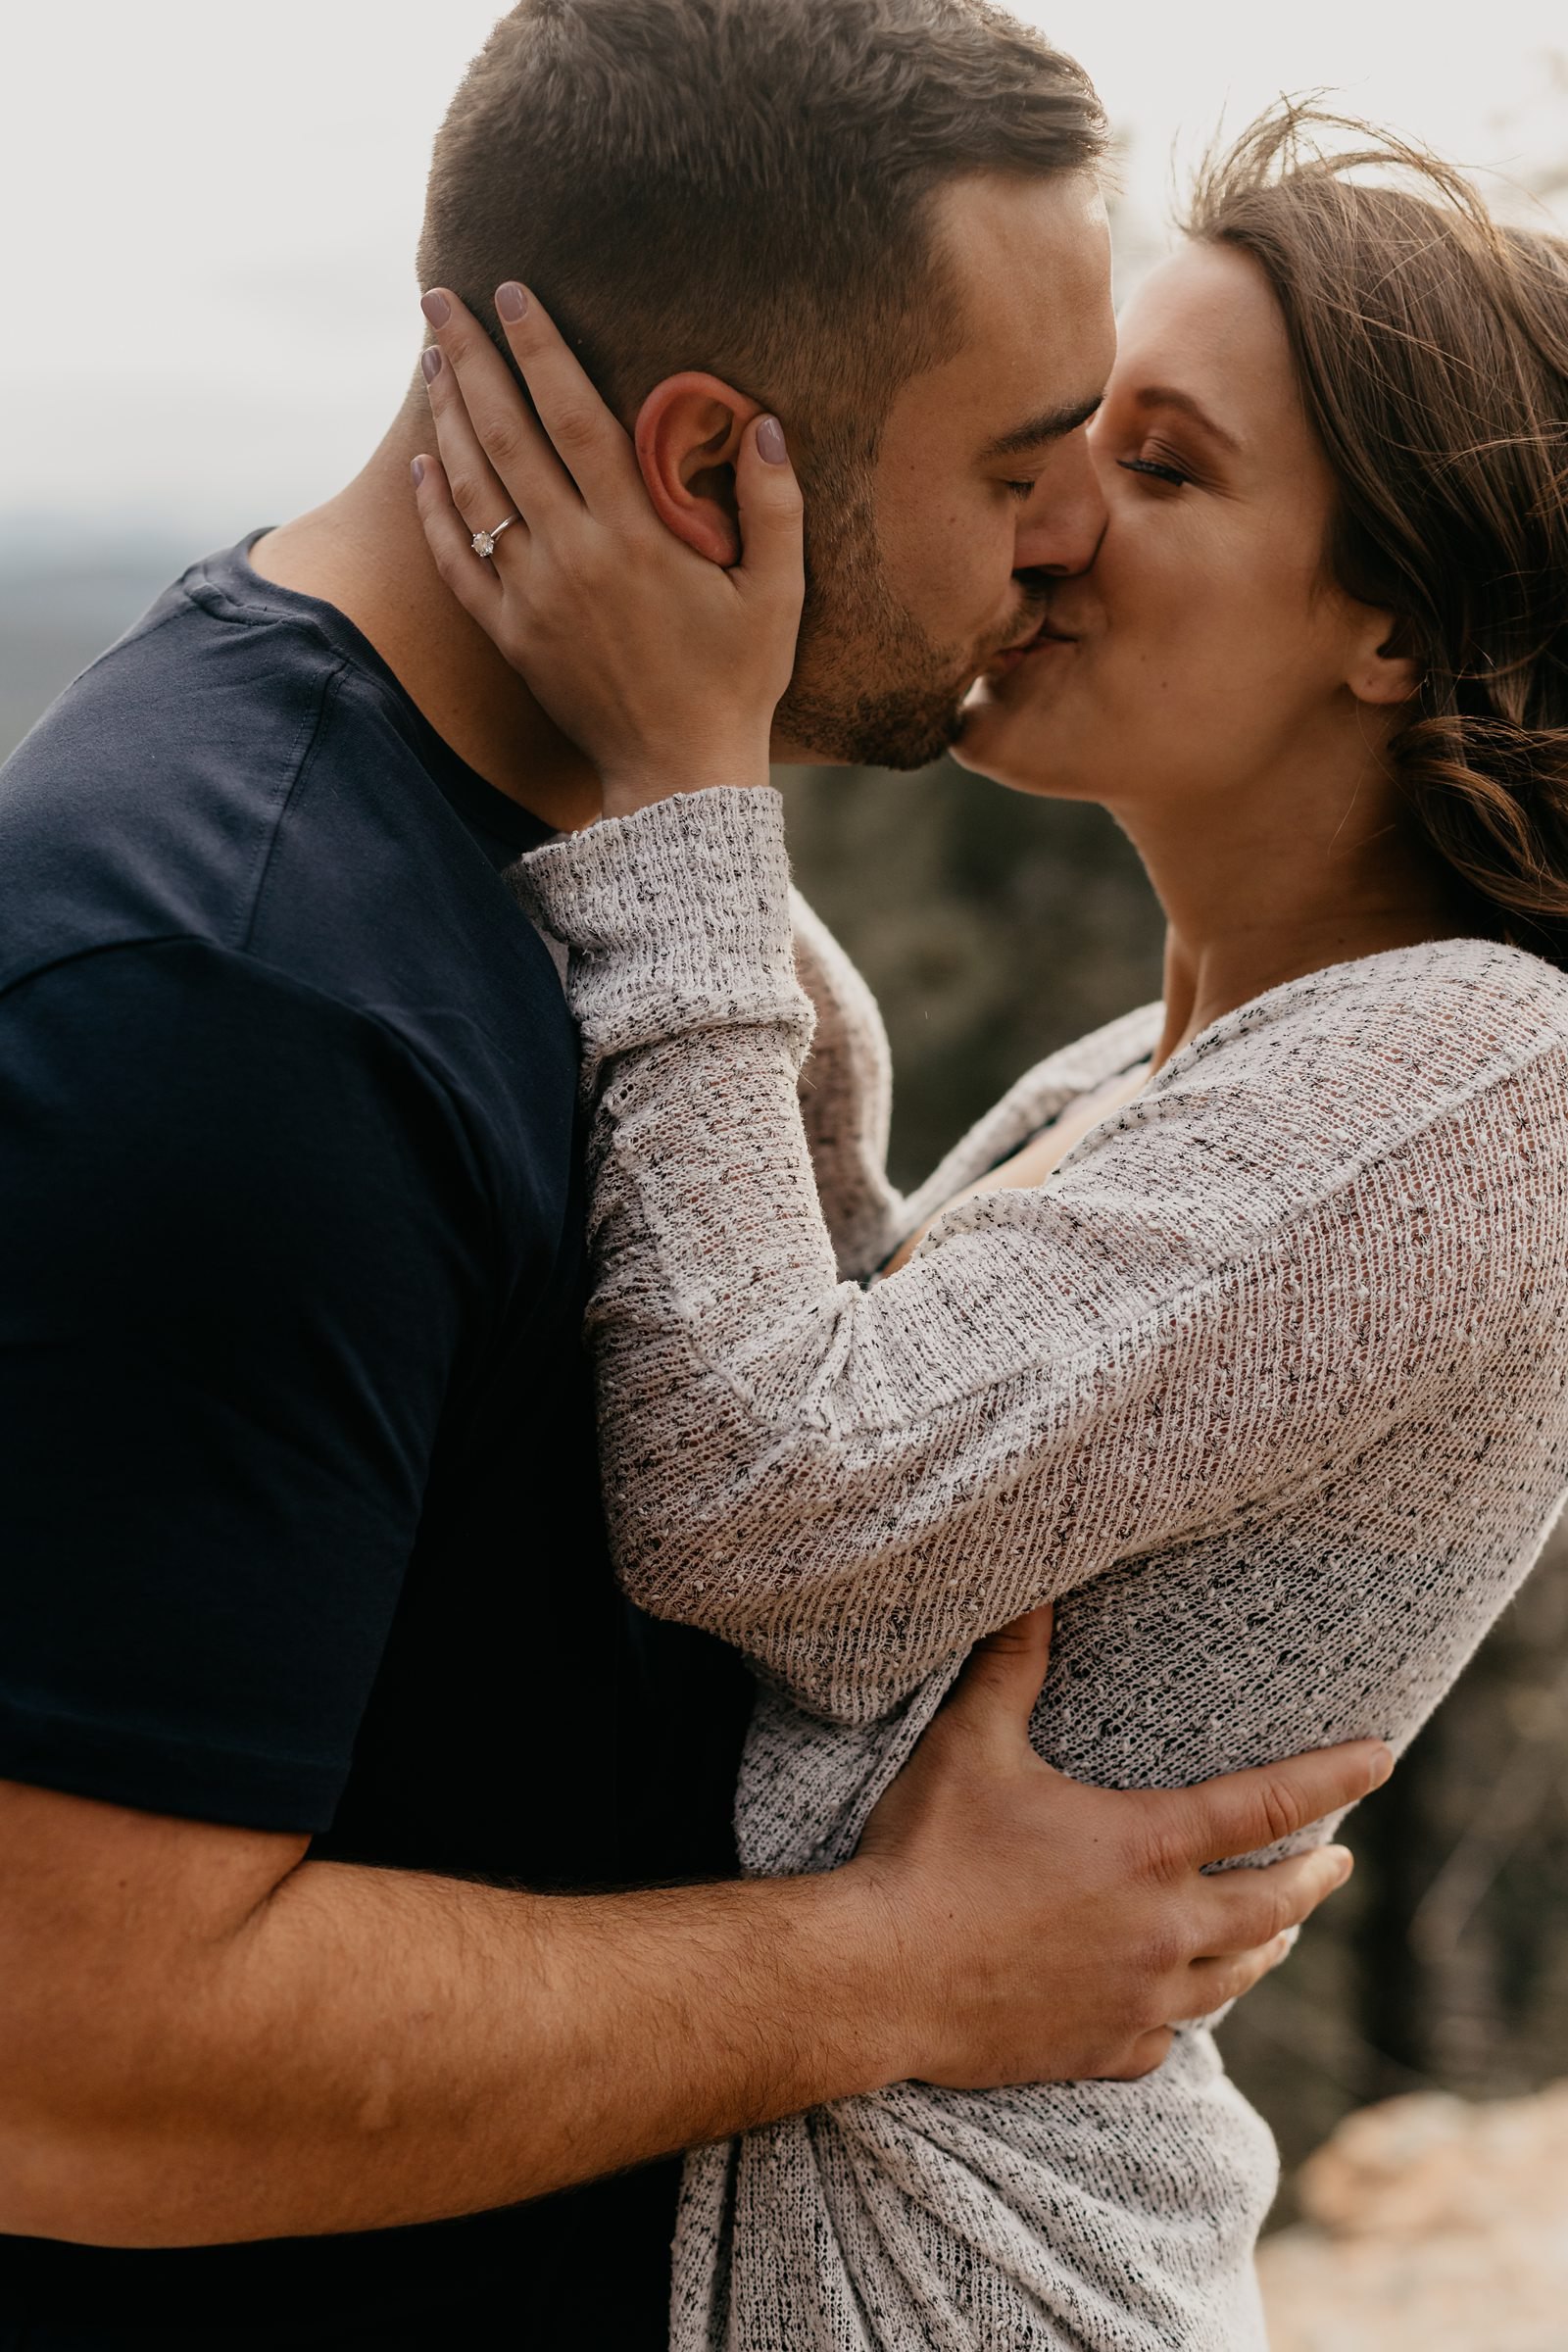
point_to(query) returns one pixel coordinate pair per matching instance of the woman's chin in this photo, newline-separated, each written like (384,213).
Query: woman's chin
(1011,744)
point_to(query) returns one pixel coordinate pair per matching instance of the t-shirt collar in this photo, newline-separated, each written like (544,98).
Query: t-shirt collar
(500,826)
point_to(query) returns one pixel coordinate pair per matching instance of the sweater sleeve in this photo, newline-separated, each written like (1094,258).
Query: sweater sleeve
(845,1098)
(853,1485)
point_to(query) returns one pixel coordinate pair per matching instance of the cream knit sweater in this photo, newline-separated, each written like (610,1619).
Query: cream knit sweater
(1266,1383)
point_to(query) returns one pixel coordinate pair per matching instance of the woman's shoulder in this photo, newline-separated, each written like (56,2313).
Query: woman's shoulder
(1403,1033)
(1488,995)
(1460,1043)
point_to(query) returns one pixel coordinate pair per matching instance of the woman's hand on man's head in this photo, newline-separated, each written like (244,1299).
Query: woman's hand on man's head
(662,667)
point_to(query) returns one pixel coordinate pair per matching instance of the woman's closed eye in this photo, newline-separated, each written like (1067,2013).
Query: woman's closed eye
(1162,469)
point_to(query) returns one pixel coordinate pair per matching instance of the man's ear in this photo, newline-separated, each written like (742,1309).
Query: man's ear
(687,436)
(1379,671)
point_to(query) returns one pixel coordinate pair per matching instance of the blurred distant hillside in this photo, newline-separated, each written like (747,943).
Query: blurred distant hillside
(994,928)
(58,609)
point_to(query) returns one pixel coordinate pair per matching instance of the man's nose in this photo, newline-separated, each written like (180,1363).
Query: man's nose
(1063,526)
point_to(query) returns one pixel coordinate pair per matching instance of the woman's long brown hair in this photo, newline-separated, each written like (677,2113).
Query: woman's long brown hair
(1431,346)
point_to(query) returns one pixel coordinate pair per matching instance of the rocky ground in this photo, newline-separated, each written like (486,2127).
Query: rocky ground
(1433,2225)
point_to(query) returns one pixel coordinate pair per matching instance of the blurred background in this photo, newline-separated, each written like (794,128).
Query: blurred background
(211,317)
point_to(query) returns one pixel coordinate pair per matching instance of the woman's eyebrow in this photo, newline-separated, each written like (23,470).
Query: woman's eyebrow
(1053,424)
(1166,396)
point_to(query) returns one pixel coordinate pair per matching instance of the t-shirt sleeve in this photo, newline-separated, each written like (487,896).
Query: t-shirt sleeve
(243,1233)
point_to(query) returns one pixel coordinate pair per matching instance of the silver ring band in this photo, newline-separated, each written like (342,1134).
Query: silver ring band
(483,543)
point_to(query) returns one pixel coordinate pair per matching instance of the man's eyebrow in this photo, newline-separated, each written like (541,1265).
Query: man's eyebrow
(1166,396)
(1053,424)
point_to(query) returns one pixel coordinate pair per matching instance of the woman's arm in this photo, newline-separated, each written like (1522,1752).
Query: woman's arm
(846,1099)
(1226,1296)
(1217,1301)
(845,1096)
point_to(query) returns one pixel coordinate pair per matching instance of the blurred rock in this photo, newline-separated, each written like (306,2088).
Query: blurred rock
(1432,2225)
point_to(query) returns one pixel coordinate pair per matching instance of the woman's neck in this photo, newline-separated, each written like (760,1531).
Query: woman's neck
(1248,908)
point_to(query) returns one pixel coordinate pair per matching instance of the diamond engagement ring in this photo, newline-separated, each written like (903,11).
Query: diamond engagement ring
(483,543)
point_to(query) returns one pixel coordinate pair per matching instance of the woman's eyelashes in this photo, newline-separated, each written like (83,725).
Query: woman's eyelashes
(1160,469)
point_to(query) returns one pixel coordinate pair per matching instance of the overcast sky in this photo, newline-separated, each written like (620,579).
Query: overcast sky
(213,207)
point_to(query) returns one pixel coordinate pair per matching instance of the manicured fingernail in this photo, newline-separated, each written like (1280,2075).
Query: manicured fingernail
(431,364)
(1382,1766)
(1344,1863)
(511,301)
(770,441)
(418,471)
(436,309)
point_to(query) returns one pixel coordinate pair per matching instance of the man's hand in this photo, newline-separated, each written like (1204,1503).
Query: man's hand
(208,2035)
(1050,1931)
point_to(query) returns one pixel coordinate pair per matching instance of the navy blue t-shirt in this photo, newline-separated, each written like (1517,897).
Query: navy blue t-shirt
(298,1496)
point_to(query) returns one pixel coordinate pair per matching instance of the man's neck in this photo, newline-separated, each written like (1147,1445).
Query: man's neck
(365,551)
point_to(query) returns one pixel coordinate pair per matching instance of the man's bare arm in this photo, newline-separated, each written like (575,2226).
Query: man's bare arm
(209,2037)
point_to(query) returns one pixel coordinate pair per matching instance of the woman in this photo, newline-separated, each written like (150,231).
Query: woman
(1240,1328)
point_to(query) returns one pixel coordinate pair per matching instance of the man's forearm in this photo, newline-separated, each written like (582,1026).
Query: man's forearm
(207,2037)
(374,2048)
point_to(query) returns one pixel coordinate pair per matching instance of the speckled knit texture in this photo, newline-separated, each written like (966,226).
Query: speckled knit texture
(1265,1385)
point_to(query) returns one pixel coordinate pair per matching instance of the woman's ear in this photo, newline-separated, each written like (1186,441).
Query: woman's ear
(687,436)
(1378,670)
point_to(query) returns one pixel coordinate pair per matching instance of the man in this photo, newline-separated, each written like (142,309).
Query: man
(322,1726)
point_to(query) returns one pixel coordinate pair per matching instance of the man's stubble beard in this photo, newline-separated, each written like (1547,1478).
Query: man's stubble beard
(870,688)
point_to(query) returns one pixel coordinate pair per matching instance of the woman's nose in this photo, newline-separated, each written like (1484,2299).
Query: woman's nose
(1063,526)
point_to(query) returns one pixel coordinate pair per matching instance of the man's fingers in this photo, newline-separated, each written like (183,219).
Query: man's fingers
(1214,1983)
(1243,1908)
(591,443)
(1247,1810)
(1148,2051)
(471,582)
(1256,1926)
(1001,1680)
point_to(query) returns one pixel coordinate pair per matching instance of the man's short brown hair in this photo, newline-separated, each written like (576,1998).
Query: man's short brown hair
(741,185)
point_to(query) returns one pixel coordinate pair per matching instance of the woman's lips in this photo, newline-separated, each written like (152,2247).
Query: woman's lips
(1002,663)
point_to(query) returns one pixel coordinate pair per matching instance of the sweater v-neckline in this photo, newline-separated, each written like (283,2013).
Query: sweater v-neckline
(1246,1016)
